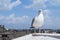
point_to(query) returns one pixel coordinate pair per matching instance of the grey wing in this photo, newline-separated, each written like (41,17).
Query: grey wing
(32,22)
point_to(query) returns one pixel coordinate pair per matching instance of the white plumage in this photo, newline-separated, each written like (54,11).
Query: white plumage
(38,20)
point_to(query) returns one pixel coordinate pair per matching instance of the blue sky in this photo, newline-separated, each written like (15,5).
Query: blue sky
(18,14)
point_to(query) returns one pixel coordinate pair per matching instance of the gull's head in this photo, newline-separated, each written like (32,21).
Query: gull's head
(40,11)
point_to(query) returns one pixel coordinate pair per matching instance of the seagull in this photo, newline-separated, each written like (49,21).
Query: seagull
(38,20)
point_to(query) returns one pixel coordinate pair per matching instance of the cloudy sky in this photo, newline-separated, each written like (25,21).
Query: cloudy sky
(18,14)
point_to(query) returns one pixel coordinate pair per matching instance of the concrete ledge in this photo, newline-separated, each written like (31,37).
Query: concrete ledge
(45,34)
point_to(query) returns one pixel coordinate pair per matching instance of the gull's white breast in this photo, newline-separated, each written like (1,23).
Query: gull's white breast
(39,20)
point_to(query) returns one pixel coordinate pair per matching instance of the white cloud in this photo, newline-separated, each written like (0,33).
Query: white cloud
(53,23)
(54,2)
(43,4)
(49,21)
(37,4)
(1,17)
(7,5)
(12,19)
